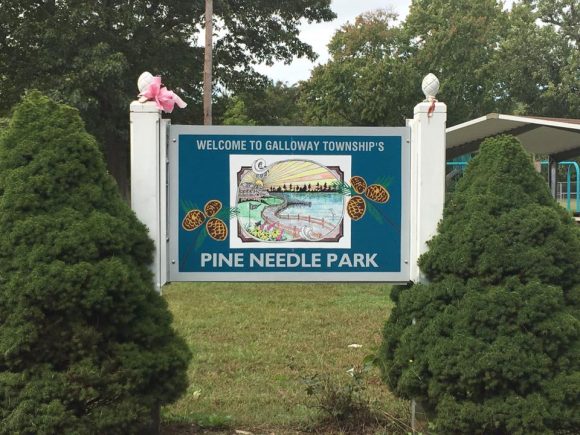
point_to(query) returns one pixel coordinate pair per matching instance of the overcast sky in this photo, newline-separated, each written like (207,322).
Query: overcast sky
(319,35)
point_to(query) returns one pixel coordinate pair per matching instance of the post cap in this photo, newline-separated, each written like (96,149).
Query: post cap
(430,86)
(144,81)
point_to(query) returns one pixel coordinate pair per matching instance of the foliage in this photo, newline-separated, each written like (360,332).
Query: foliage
(456,41)
(368,81)
(563,14)
(343,403)
(3,124)
(236,113)
(270,104)
(346,406)
(89,54)
(86,344)
(213,421)
(490,345)
(488,59)
(377,64)
(537,67)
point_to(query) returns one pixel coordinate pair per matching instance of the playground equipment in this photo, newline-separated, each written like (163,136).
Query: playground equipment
(569,165)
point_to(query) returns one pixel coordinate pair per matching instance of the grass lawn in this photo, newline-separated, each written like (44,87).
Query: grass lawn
(255,344)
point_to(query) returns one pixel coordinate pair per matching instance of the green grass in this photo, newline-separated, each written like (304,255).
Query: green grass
(255,214)
(255,344)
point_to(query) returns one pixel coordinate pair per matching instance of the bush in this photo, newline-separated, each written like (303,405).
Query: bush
(342,404)
(86,344)
(491,344)
(346,406)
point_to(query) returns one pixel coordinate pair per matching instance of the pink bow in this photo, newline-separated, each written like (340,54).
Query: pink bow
(163,97)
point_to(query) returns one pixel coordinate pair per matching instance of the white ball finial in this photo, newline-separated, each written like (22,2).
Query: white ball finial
(144,81)
(430,86)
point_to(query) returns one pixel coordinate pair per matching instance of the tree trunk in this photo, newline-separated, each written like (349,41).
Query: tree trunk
(154,426)
(207,69)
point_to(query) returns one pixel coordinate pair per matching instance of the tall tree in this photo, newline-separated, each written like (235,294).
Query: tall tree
(207,63)
(565,14)
(368,80)
(488,59)
(89,54)
(537,66)
(456,40)
(236,113)
(272,104)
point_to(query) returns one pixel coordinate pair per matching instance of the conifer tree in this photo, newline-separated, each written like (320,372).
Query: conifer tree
(86,344)
(491,344)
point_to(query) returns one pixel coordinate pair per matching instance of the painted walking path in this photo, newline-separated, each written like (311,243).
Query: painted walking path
(293,224)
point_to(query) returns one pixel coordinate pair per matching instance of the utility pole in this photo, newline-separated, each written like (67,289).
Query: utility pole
(207,66)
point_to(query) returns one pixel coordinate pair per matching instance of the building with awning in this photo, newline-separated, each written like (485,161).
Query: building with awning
(556,138)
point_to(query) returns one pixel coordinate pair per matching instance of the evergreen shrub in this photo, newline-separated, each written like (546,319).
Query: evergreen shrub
(86,343)
(491,343)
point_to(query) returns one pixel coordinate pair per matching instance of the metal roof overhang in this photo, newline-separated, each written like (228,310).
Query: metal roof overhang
(558,137)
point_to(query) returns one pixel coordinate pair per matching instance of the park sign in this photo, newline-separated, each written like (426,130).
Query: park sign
(242,203)
(289,203)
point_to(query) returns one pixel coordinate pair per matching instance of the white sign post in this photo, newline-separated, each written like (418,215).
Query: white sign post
(149,179)
(427,177)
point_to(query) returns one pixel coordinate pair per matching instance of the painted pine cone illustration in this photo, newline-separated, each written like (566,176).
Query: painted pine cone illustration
(377,193)
(358,184)
(192,220)
(356,207)
(217,229)
(212,207)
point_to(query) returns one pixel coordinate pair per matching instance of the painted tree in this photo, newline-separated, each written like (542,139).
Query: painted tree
(86,344)
(89,54)
(491,344)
